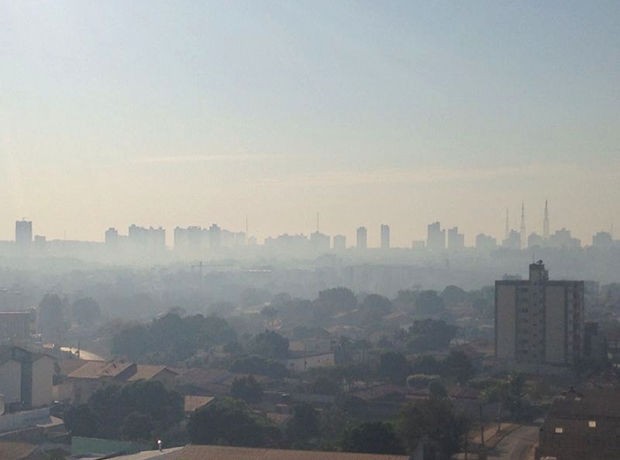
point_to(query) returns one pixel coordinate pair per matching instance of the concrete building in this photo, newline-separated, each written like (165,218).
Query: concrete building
(512,240)
(485,242)
(340,242)
(16,327)
(538,321)
(436,237)
(23,233)
(362,238)
(25,378)
(320,241)
(385,236)
(456,240)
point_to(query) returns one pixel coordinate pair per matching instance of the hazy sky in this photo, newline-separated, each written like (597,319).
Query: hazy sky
(368,112)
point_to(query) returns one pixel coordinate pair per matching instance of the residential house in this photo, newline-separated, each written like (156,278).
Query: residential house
(582,425)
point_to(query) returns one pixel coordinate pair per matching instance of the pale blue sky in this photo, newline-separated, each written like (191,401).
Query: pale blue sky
(188,113)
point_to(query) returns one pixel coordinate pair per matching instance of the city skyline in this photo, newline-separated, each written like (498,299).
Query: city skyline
(436,237)
(369,113)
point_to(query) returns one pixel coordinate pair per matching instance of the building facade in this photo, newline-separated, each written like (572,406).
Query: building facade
(362,238)
(538,321)
(385,236)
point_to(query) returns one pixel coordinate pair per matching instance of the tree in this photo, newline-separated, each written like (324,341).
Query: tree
(337,299)
(136,426)
(437,390)
(428,303)
(372,438)
(434,422)
(82,421)
(453,296)
(427,364)
(430,334)
(303,426)
(86,311)
(143,400)
(394,366)
(247,388)
(230,422)
(270,344)
(374,307)
(51,318)
(458,366)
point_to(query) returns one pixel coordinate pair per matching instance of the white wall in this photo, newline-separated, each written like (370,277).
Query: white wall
(42,376)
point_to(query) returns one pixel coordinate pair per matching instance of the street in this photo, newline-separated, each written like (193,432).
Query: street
(518,445)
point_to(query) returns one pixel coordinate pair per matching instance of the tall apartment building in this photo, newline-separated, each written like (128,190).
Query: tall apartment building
(539,321)
(436,237)
(23,233)
(385,236)
(362,238)
(456,240)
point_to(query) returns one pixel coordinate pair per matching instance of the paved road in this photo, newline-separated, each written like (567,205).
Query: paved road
(518,445)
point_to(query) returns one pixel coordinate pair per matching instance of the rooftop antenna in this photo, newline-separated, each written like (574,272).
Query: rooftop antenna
(507,231)
(317,222)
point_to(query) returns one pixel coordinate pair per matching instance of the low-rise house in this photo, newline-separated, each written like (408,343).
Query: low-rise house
(81,382)
(582,425)
(192,403)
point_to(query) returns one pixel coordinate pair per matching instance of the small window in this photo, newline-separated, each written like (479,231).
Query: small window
(559,430)
(592,424)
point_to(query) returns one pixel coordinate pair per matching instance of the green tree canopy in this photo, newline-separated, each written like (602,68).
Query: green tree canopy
(372,438)
(270,344)
(435,422)
(247,389)
(134,411)
(230,422)
(86,311)
(394,366)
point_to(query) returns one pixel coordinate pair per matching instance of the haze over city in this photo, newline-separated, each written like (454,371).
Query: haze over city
(187,113)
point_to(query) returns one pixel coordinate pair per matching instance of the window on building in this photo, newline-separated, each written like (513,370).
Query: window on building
(559,430)
(592,424)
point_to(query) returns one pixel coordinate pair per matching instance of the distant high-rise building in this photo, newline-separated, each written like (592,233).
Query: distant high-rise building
(456,240)
(340,242)
(512,241)
(485,242)
(563,239)
(362,238)
(602,240)
(538,321)
(535,240)
(436,237)
(23,233)
(149,239)
(385,236)
(111,236)
(320,241)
